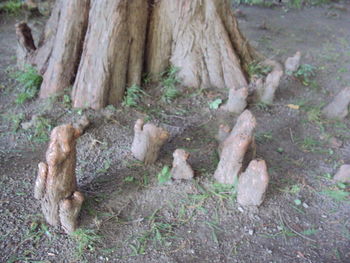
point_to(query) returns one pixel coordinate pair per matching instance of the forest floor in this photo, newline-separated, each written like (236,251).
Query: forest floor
(128,216)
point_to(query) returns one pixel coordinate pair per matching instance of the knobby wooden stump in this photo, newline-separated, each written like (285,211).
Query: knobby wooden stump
(252,184)
(237,100)
(266,87)
(56,184)
(148,140)
(338,107)
(181,169)
(292,63)
(234,148)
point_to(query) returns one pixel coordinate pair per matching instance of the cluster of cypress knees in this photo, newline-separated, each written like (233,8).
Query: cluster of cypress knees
(56,184)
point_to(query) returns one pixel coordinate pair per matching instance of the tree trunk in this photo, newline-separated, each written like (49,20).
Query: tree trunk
(66,48)
(202,39)
(113,52)
(126,38)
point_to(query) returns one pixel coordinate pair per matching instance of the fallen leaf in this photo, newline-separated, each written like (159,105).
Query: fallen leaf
(293,106)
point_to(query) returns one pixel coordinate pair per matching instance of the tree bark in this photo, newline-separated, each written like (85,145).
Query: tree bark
(126,38)
(59,48)
(113,52)
(202,39)
(67,47)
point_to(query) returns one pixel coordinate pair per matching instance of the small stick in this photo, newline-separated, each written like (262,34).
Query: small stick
(291,135)
(295,232)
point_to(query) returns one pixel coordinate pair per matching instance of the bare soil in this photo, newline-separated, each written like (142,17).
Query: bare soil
(129,217)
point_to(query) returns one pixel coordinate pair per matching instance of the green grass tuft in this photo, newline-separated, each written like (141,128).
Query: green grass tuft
(30,82)
(165,175)
(169,83)
(85,239)
(133,96)
(12,7)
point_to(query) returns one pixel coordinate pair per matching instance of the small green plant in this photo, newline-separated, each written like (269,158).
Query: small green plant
(337,194)
(264,137)
(309,144)
(293,189)
(169,83)
(133,96)
(223,191)
(158,234)
(262,106)
(11,7)
(30,82)
(85,239)
(14,120)
(253,2)
(214,105)
(164,175)
(259,70)
(67,101)
(42,128)
(106,165)
(305,73)
(129,179)
(296,3)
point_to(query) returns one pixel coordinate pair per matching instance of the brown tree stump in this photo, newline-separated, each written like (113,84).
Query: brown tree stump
(234,149)
(56,184)
(181,169)
(148,140)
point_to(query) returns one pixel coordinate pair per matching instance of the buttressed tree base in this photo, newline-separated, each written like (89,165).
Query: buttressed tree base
(102,47)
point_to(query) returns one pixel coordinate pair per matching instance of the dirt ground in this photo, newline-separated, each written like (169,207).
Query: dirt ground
(129,217)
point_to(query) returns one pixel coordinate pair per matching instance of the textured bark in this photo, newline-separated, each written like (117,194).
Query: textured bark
(126,38)
(40,56)
(56,184)
(26,46)
(67,47)
(338,107)
(234,149)
(252,184)
(223,133)
(113,52)
(202,39)
(181,169)
(148,140)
